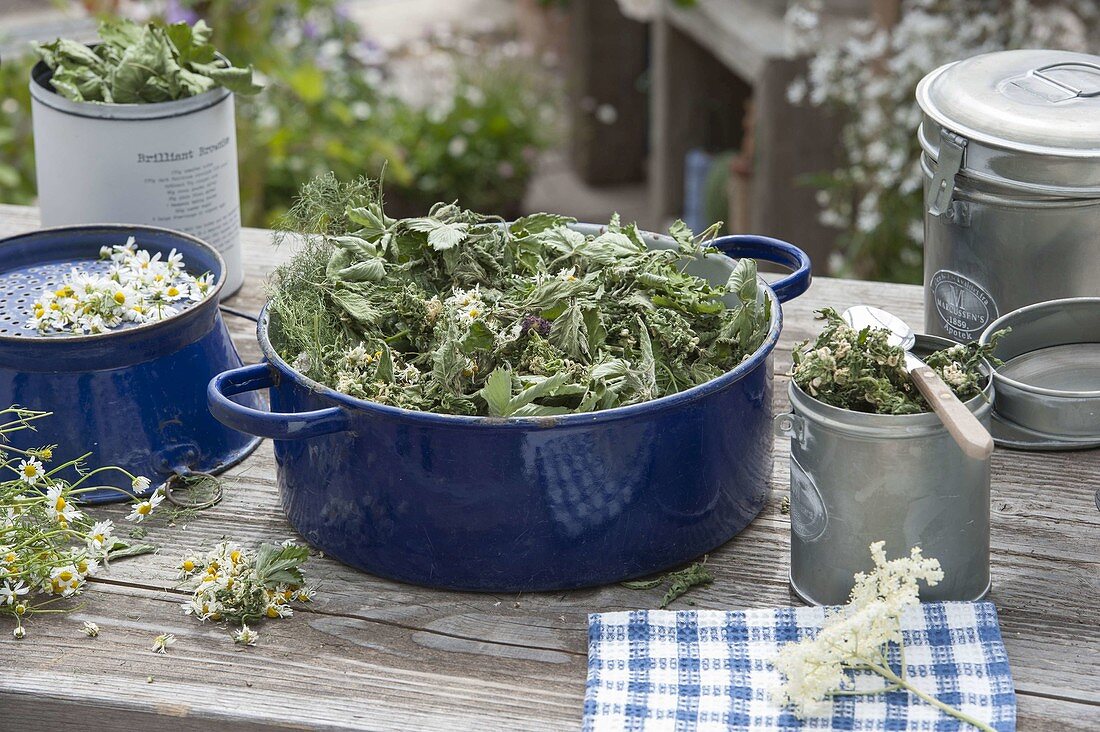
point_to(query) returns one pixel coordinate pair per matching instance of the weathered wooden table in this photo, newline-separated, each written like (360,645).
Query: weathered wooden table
(374,654)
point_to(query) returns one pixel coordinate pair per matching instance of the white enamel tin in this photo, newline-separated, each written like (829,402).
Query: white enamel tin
(170,164)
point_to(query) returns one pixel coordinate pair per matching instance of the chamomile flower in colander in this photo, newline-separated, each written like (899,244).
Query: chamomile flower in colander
(137,287)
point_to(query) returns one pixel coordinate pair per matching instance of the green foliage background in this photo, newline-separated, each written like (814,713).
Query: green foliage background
(328,107)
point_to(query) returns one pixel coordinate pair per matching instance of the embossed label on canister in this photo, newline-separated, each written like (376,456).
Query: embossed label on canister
(964,306)
(808,515)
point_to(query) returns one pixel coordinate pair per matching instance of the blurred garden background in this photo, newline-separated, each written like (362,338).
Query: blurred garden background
(791,119)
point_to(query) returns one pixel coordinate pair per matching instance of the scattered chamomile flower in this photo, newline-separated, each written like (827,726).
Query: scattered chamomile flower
(58,508)
(20,632)
(161,643)
(137,287)
(246,636)
(237,585)
(9,592)
(90,629)
(140,484)
(31,471)
(101,537)
(141,510)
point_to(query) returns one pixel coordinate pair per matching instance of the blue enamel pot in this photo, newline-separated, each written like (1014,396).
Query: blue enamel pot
(132,397)
(521,504)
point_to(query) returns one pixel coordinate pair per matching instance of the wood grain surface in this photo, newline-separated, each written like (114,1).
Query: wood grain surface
(375,654)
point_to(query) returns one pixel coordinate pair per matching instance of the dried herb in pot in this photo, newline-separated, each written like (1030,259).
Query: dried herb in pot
(860,371)
(142,64)
(460,313)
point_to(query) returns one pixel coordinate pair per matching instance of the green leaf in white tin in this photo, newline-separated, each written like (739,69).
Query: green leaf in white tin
(192,43)
(78,73)
(236,80)
(147,71)
(119,34)
(142,64)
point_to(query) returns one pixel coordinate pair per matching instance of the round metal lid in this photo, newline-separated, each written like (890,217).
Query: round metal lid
(1033,101)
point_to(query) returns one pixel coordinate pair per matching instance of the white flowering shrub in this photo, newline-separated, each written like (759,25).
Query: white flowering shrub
(874,197)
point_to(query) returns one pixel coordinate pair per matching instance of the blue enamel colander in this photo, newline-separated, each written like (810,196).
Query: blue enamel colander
(133,397)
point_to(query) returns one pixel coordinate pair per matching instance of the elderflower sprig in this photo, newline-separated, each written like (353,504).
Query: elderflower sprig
(235,585)
(49,547)
(137,287)
(857,637)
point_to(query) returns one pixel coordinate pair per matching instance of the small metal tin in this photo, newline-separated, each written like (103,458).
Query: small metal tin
(1048,389)
(858,478)
(1011,164)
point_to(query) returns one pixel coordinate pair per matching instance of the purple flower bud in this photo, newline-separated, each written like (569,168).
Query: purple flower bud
(535,323)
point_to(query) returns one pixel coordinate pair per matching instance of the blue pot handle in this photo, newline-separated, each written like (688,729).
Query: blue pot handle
(297,426)
(771,250)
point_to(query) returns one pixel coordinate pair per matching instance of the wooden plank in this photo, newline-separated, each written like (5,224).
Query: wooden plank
(607,65)
(374,654)
(742,34)
(695,102)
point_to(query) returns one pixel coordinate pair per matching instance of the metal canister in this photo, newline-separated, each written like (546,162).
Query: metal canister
(169,164)
(1011,160)
(858,478)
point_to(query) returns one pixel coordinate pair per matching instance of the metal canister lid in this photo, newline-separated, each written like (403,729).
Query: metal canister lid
(1027,119)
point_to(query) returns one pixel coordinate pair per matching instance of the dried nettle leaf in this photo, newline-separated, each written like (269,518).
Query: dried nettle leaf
(461,313)
(142,64)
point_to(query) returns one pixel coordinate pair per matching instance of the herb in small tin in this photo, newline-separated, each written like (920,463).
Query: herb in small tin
(142,64)
(460,313)
(860,371)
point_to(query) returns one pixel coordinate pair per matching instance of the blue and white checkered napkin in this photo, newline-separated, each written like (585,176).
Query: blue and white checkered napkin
(657,670)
